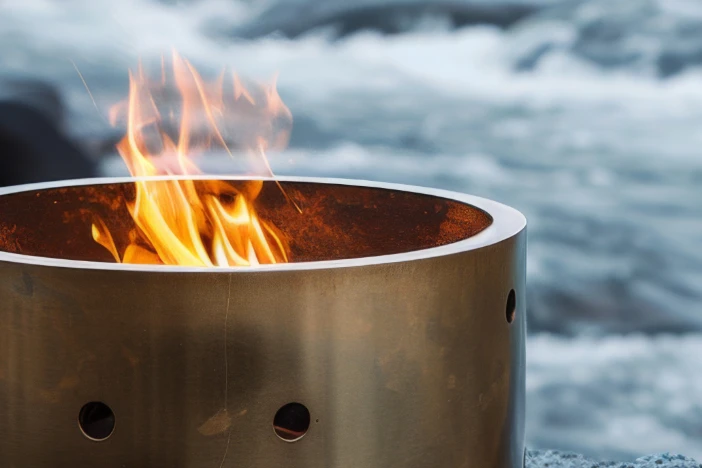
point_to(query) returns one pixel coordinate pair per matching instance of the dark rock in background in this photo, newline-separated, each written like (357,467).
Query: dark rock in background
(40,96)
(33,145)
(554,459)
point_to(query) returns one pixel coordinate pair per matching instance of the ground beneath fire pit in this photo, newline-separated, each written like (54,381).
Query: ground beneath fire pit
(553,459)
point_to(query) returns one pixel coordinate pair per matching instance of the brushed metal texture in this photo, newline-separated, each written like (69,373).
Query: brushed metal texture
(403,361)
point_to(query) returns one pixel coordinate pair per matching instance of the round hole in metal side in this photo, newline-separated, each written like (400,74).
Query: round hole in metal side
(96,420)
(291,422)
(511,307)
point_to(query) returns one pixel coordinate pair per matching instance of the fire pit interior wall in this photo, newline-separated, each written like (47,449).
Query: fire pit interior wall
(337,222)
(416,362)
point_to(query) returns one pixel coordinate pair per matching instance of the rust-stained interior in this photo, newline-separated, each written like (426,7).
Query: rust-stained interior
(337,222)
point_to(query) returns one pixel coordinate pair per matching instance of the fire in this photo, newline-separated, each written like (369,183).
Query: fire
(179,221)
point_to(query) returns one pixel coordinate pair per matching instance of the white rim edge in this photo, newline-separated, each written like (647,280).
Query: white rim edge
(507,222)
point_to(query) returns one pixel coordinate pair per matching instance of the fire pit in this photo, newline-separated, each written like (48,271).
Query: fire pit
(392,337)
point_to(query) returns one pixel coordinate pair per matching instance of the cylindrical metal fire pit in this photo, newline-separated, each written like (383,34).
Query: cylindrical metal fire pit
(394,339)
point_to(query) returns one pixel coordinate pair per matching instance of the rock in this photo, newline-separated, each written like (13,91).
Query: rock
(33,147)
(38,95)
(555,459)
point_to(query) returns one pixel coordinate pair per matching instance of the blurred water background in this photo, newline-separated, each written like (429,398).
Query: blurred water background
(586,115)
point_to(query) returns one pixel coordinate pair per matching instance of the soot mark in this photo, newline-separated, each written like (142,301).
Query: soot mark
(25,286)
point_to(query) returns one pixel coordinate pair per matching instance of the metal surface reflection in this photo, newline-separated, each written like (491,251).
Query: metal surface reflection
(403,361)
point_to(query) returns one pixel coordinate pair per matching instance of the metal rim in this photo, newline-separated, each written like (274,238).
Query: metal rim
(506,223)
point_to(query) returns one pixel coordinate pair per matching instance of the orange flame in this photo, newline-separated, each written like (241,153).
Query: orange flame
(179,222)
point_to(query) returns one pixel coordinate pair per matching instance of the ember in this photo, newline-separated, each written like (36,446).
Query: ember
(211,223)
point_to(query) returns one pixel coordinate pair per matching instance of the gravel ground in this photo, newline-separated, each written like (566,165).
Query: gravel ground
(554,459)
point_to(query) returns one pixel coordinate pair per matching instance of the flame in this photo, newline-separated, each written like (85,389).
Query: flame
(178,221)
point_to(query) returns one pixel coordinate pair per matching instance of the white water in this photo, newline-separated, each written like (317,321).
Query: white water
(615,395)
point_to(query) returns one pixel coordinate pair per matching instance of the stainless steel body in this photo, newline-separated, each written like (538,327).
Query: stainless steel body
(407,360)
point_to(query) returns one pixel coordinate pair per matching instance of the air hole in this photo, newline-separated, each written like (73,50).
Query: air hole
(96,420)
(291,422)
(511,308)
